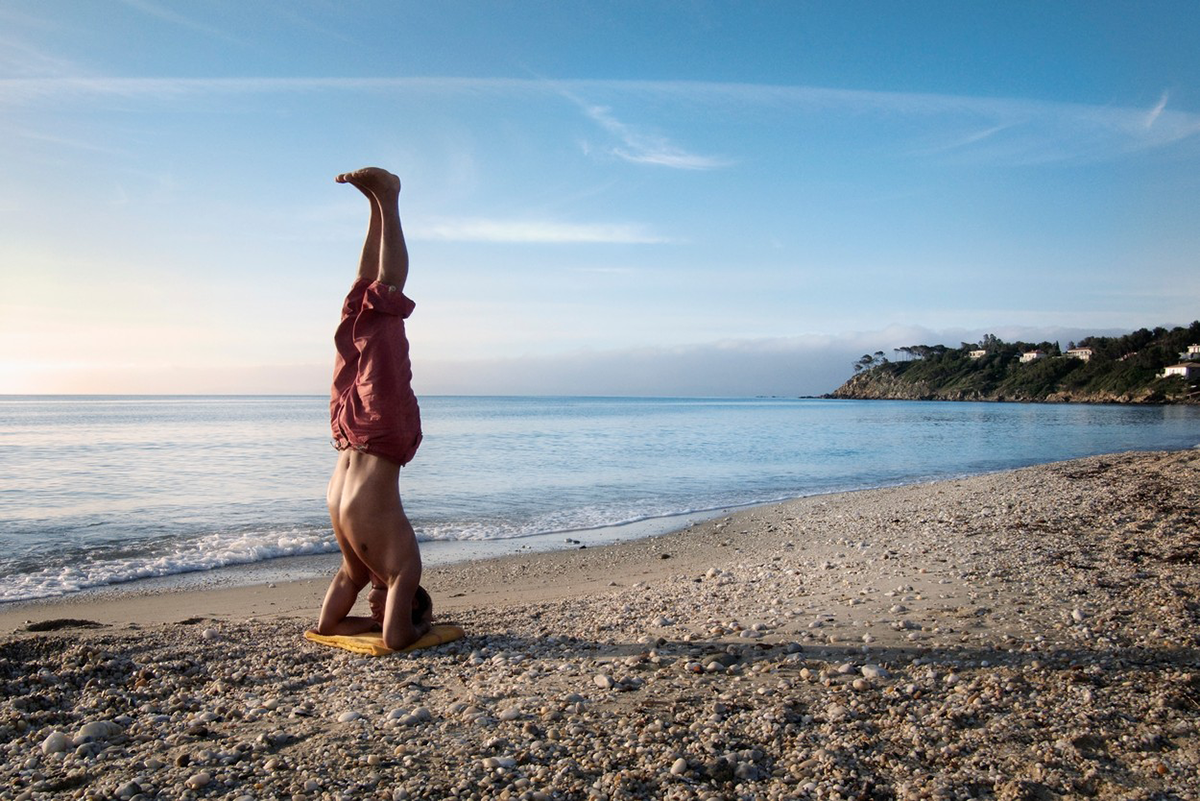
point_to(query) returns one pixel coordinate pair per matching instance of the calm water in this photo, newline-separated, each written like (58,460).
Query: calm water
(102,490)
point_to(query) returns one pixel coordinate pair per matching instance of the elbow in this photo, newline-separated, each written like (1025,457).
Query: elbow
(398,642)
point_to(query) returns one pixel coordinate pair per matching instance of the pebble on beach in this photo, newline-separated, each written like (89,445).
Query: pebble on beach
(1013,645)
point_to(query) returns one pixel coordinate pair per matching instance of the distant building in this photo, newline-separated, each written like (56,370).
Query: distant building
(1184,371)
(1192,355)
(1032,356)
(1080,353)
(977,354)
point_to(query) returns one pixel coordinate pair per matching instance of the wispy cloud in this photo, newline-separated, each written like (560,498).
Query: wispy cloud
(175,18)
(1005,129)
(604,270)
(1157,111)
(640,147)
(19,58)
(77,143)
(78,88)
(964,140)
(1012,130)
(535,231)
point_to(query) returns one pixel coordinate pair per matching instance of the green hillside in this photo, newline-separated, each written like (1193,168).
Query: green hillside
(1125,369)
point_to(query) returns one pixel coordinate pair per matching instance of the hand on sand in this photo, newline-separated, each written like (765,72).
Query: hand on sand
(371,181)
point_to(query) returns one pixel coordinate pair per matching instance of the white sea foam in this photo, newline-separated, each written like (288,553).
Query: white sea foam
(570,521)
(206,553)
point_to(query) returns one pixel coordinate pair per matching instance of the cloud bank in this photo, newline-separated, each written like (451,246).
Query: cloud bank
(785,366)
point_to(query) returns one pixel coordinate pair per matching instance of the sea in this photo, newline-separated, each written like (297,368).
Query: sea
(126,492)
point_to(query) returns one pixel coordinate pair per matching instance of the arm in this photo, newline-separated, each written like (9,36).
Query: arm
(339,600)
(351,626)
(399,630)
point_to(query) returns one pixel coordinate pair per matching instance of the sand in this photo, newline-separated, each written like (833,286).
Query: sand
(1023,635)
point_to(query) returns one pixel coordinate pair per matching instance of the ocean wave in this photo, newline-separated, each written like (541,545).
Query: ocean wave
(83,570)
(571,521)
(48,575)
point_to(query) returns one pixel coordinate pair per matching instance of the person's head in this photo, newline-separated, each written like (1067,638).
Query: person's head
(422,607)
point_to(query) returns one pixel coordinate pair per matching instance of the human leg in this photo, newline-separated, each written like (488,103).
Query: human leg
(368,262)
(389,249)
(372,405)
(346,365)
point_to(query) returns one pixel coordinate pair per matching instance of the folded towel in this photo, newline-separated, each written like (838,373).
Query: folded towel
(372,644)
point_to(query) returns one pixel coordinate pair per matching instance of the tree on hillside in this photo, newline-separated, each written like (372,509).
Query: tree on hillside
(868,360)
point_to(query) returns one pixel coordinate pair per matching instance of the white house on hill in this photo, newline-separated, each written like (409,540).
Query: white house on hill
(1032,356)
(1184,371)
(977,354)
(1080,353)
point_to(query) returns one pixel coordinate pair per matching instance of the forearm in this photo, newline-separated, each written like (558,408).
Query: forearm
(351,626)
(339,600)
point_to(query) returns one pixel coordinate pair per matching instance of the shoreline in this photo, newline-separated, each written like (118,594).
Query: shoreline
(1025,634)
(303,568)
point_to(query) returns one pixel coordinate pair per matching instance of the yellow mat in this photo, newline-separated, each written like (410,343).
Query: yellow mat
(372,644)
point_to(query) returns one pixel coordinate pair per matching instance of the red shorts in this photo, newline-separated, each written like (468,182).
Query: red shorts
(372,407)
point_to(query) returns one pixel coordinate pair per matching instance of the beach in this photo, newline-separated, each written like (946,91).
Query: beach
(1028,634)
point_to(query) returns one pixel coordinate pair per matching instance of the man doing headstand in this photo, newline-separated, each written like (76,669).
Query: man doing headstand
(376,426)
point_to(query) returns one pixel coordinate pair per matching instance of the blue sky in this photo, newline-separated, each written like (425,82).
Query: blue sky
(709,198)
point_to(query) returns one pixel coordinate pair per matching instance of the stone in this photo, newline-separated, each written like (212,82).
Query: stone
(55,743)
(96,730)
(198,780)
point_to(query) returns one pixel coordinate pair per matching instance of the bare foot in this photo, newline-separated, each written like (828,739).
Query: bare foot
(371,181)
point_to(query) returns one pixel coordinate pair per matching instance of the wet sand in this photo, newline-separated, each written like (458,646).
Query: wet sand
(1023,635)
